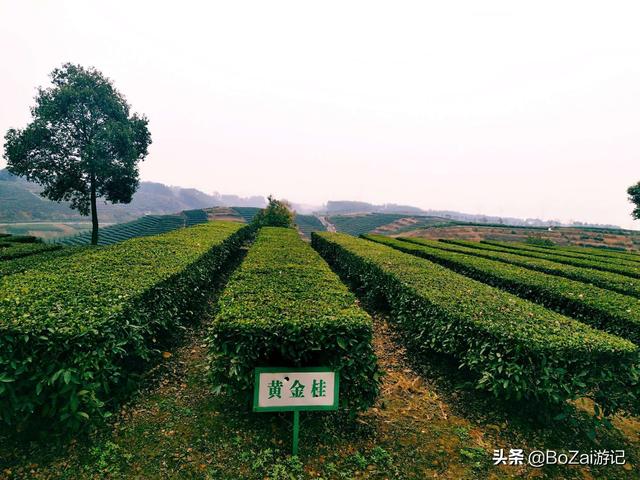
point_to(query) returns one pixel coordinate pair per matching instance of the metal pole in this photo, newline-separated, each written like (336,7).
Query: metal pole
(296,431)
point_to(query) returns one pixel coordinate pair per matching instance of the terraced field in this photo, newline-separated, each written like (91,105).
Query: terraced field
(147,225)
(384,223)
(144,226)
(606,240)
(307,224)
(157,224)
(247,213)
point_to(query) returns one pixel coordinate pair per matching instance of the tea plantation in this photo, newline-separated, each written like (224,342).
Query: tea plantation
(18,246)
(144,226)
(135,359)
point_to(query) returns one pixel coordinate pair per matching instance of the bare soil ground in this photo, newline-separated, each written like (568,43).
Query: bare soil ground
(395,226)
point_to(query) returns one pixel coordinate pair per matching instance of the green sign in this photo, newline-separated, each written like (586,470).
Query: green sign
(283,389)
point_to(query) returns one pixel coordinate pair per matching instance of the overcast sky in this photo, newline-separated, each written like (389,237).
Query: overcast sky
(528,109)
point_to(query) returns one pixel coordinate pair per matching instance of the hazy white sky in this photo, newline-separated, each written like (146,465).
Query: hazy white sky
(528,109)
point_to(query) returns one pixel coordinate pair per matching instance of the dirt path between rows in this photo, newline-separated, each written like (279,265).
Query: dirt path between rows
(327,224)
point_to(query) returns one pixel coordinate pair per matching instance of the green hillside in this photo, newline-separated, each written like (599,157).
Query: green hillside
(309,223)
(20,202)
(396,222)
(142,227)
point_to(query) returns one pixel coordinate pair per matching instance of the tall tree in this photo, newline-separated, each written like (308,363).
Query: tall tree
(82,143)
(634,197)
(277,213)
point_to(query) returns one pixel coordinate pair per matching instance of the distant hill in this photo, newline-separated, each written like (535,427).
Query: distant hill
(347,207)
(435,228)
(334,207)
(20,202)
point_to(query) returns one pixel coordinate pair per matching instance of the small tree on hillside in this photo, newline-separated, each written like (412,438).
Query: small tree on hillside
(634,197)
(278,213)
(82,143)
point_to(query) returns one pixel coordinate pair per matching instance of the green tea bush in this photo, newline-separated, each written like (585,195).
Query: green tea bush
(285,307)
(592,254)
(607,280)
(539,241)
(19,250)
(21,264)
(623,267)
(71,334)
(608,252)
(609,311)
(277,213)
(517,349)
(21,239)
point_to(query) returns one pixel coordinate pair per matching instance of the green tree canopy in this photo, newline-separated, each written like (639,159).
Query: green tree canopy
(634,197)
(82,143)
(277,213)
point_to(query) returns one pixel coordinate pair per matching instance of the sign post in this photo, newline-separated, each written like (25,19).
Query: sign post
(284,389)
(296,431)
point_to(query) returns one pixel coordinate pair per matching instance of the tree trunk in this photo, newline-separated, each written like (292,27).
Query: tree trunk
(94,212)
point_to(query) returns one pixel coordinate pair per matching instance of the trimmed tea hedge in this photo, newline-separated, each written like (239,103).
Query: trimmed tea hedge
(285,307)
(625,255)
(72,333)
(560,252)
(21,239)
(609,311)
(18,250)
(608,280)
(17,265)
(516,348)
(569,252)
(630,269)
